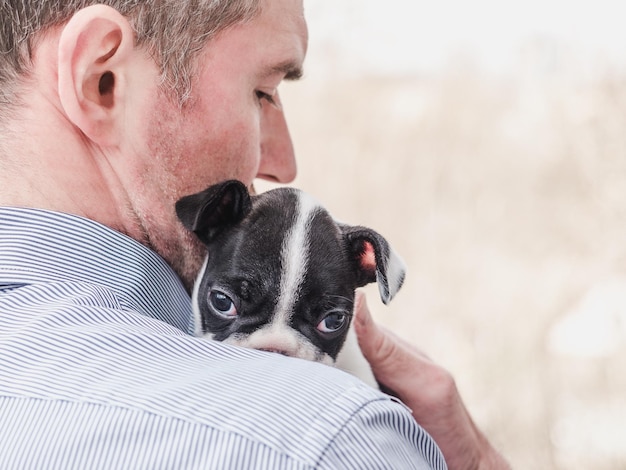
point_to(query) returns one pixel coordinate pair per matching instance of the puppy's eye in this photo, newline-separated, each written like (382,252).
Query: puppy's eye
(332,322)
(222,304)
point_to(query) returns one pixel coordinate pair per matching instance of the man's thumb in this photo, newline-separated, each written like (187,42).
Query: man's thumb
(376,344)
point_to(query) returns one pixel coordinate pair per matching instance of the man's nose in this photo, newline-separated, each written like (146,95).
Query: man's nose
(278,161)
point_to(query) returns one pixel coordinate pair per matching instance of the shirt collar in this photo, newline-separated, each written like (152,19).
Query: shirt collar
(38,246)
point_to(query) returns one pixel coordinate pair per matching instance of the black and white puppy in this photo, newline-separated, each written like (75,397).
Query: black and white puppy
(281,273)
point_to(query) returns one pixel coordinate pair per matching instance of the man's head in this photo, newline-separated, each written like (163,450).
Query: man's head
(281,273)
(120,109)
(172,30)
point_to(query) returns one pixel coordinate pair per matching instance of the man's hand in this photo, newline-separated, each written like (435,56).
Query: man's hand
(429,391)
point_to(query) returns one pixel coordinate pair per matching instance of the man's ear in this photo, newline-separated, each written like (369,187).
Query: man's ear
(94,51)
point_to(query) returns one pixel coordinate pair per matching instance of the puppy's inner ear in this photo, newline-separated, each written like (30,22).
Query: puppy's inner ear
(366,259)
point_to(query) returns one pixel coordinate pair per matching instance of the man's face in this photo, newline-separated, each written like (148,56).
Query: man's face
(228,130)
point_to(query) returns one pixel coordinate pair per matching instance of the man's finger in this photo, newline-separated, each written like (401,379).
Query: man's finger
(383,350)
(396,364)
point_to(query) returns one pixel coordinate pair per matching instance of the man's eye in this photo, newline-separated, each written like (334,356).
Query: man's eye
(332,322)
(222,305)
(262,96)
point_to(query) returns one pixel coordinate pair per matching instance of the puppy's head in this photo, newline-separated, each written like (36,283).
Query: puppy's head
(281,273)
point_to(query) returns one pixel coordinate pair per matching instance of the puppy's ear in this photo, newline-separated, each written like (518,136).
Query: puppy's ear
(210,211)
(374,260)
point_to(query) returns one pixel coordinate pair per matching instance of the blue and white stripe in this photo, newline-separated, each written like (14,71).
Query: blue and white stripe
(98,370)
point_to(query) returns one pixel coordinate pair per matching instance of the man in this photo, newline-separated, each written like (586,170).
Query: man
(109,114)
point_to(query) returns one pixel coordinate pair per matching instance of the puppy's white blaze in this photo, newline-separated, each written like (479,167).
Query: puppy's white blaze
(281,339)
(295,259)
(197,317)
(396,270)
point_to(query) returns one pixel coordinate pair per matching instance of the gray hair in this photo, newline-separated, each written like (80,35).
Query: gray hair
(172,31)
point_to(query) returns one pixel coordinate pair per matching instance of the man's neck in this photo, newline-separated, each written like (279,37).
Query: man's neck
(51,165)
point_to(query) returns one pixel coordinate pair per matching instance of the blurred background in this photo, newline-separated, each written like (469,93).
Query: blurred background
(487,141)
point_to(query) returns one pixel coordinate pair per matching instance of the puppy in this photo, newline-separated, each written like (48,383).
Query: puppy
(281,273)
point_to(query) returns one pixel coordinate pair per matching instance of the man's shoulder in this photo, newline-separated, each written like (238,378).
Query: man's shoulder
(97,371)
(76,364)
(61,254)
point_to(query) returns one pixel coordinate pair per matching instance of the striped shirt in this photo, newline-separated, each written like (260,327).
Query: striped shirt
(99,369)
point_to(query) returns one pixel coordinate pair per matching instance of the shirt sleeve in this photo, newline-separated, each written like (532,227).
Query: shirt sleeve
(382,435)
